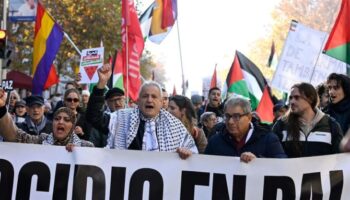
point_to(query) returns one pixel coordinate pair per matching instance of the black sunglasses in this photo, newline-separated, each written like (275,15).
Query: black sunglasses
(72,100)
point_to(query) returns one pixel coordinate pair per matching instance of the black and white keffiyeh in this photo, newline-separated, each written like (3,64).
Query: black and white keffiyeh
(73,139)
(150,140)
(170,132)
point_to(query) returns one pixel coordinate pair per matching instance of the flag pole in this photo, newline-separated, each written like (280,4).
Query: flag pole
(71,42)
(182,68)
(127,63)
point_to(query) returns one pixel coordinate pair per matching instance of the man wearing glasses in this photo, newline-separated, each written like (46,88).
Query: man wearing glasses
(115,99)
(239,136)
(306,130)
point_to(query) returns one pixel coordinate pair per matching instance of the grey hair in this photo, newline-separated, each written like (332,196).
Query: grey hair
(239,101)
(151,83)
(15,93)
(205,116)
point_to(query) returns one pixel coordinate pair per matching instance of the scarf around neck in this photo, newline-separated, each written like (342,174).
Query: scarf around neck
(150,139)
(72,138)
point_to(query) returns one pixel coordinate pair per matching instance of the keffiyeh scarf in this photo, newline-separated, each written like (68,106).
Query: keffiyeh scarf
(170,132)
(72,138)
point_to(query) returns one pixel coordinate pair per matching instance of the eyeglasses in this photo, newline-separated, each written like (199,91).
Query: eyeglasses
(118,100)
(296,97)
(75,100)
(235,116)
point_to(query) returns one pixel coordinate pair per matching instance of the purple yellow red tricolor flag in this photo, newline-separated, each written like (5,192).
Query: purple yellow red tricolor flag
(47,40)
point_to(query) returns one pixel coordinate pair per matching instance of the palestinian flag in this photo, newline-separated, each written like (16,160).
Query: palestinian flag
(118,73)
(245,79)
(337,45)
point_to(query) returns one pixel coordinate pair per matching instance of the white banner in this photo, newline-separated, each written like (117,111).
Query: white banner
(50,172)
(302,59)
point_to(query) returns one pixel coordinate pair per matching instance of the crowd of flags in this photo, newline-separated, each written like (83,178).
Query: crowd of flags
(244,77)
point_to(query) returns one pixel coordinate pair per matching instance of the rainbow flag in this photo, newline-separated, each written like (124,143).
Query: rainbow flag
(47,40)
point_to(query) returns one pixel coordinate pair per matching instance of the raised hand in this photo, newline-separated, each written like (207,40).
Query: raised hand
(104,73)
(3,96)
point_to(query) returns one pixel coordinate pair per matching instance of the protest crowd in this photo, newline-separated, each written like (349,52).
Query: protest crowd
(160,122)
(308,121)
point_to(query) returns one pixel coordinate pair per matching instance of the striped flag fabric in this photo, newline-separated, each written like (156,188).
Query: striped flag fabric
(265,107)
(118,81)
(245,79)
(338,43)
(213,82)
(158,19)
(48,36)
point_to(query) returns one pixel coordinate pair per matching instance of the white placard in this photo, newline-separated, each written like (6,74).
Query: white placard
(91,60)
(302,59)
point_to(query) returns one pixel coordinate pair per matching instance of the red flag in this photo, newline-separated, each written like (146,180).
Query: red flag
(174,91)
(213,82)
(132,43)
(265,107)
(52,79)
(169,13)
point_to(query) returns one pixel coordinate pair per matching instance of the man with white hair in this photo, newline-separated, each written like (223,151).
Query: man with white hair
(147,127)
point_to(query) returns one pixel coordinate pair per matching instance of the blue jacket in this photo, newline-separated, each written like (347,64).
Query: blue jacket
(262,143)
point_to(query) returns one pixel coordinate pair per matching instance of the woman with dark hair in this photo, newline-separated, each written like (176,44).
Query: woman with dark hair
(181,107)
(62,128)
(339,95)
(306,130)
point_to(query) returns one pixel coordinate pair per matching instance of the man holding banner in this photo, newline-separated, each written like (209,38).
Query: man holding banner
(147,127)
(239,136)
(306,130)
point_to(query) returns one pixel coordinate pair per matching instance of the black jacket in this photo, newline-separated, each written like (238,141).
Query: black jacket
(340,112)
(262,143)
(323,139)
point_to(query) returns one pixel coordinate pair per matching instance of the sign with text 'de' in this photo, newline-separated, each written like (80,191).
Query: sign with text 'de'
(91,60)
(302,59)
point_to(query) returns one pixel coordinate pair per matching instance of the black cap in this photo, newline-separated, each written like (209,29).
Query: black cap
(114,92)
(279,106)
(20,103)
(32,100)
